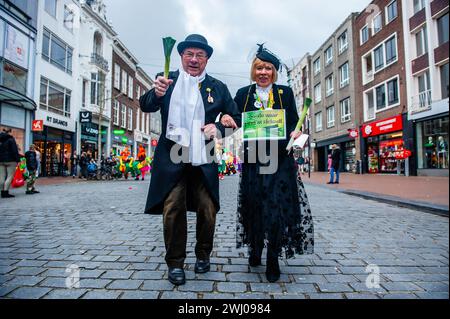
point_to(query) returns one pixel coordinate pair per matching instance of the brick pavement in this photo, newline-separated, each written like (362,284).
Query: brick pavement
(99,226)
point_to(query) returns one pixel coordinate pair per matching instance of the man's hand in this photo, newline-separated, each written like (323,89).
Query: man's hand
(295,135)
(161,86)
(228,121)
(210,131)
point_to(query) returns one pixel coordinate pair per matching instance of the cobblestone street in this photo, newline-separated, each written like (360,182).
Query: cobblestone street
(100,227)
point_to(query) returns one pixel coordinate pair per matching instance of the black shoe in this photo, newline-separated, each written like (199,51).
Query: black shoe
(202,266)
(330,183)
(177,276)
(35,191)
(336,182)
(272,270)
(6,194)
(29,192)
(254,260)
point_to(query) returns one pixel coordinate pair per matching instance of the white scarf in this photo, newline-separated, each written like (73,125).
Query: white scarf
(263,94)
(187,117)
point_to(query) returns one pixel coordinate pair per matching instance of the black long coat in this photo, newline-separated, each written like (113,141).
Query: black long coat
(336,158)
(165,173)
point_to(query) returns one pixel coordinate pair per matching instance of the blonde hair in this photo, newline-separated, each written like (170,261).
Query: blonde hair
(257,62)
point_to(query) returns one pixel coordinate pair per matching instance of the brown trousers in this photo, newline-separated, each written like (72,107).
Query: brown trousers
(175,219)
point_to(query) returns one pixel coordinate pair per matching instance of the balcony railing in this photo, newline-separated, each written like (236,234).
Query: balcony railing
(421,102)
(100,61)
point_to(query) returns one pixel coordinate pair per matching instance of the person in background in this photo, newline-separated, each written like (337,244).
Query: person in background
(9,157)
(335,163)
(32,165)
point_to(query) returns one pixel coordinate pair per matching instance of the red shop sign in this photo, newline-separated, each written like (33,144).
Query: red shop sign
(385,126)
(403,154)
(154,143)
(353,133)
(37,126)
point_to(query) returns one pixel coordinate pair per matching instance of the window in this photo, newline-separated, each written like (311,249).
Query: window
(317,93)
(330,116)
(343,42)
(130,87)
(424,90)
(138,92)
(367,68)
(444,80)
(418,5)
(344,75)
(97,88)
(123,113)
(318,117)
(380,97)
(379,58)
(130,119)
(369,109)
(14,77)
(422,41)
(364,35)
(116,113)
(57,52)
(50,7)
(329,85)
(377,24)
(329,55)
(391,11)
(317,66)
(443,26)
(54,98)
(124,82)
(69,17)
(117,76)
(346,112)
(84,92)
(392,90)
(391,50)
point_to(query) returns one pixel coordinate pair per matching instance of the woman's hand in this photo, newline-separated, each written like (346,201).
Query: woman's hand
(295,135)
(228,121)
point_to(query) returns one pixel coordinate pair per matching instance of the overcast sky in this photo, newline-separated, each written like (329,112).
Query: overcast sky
(290,28)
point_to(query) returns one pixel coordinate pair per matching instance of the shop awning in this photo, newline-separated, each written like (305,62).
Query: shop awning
(15,98)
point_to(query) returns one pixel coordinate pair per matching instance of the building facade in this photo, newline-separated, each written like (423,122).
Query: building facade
(95,78)
(57,86)
(426,32)
(18,32)
(333,112)
(381,86)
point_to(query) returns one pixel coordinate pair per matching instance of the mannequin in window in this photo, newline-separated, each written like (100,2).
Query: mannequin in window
(430,147)
(442,152)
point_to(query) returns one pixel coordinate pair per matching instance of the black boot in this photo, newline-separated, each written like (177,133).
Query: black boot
(272,267)
(255,253)
(6,194)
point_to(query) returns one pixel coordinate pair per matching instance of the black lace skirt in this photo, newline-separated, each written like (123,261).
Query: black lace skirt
(274,209)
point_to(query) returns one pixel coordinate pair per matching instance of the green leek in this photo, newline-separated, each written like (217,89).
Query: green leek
(168,44)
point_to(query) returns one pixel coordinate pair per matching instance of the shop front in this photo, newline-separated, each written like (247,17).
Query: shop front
(432,142)
(347,145)
(381,142)
(121,142)
(89,138)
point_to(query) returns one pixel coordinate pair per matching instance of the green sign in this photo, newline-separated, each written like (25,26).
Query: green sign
(119,132)
(124,140)
(264,125)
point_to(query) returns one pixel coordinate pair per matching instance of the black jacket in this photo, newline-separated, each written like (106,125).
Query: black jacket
(336,158)
(8,149)
(31,158)
(165,173)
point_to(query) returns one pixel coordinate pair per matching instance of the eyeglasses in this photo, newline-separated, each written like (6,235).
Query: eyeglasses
(191,55)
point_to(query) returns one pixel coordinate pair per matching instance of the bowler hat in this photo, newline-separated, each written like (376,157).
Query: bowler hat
(195,41)
(265,55)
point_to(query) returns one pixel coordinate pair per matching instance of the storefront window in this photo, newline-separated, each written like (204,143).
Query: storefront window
(388,147)
(432,144)
(372,154)
(349,156)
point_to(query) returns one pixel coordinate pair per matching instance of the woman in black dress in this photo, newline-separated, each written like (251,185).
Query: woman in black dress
(273,209)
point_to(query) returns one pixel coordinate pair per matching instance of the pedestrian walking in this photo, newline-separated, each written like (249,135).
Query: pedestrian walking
(84,161)
(335,164)
(190,100)
(32,165)
(273,209)
(9,157)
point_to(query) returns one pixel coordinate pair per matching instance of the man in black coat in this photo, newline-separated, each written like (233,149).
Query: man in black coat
(335,164)
(9,157)
(184,174)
